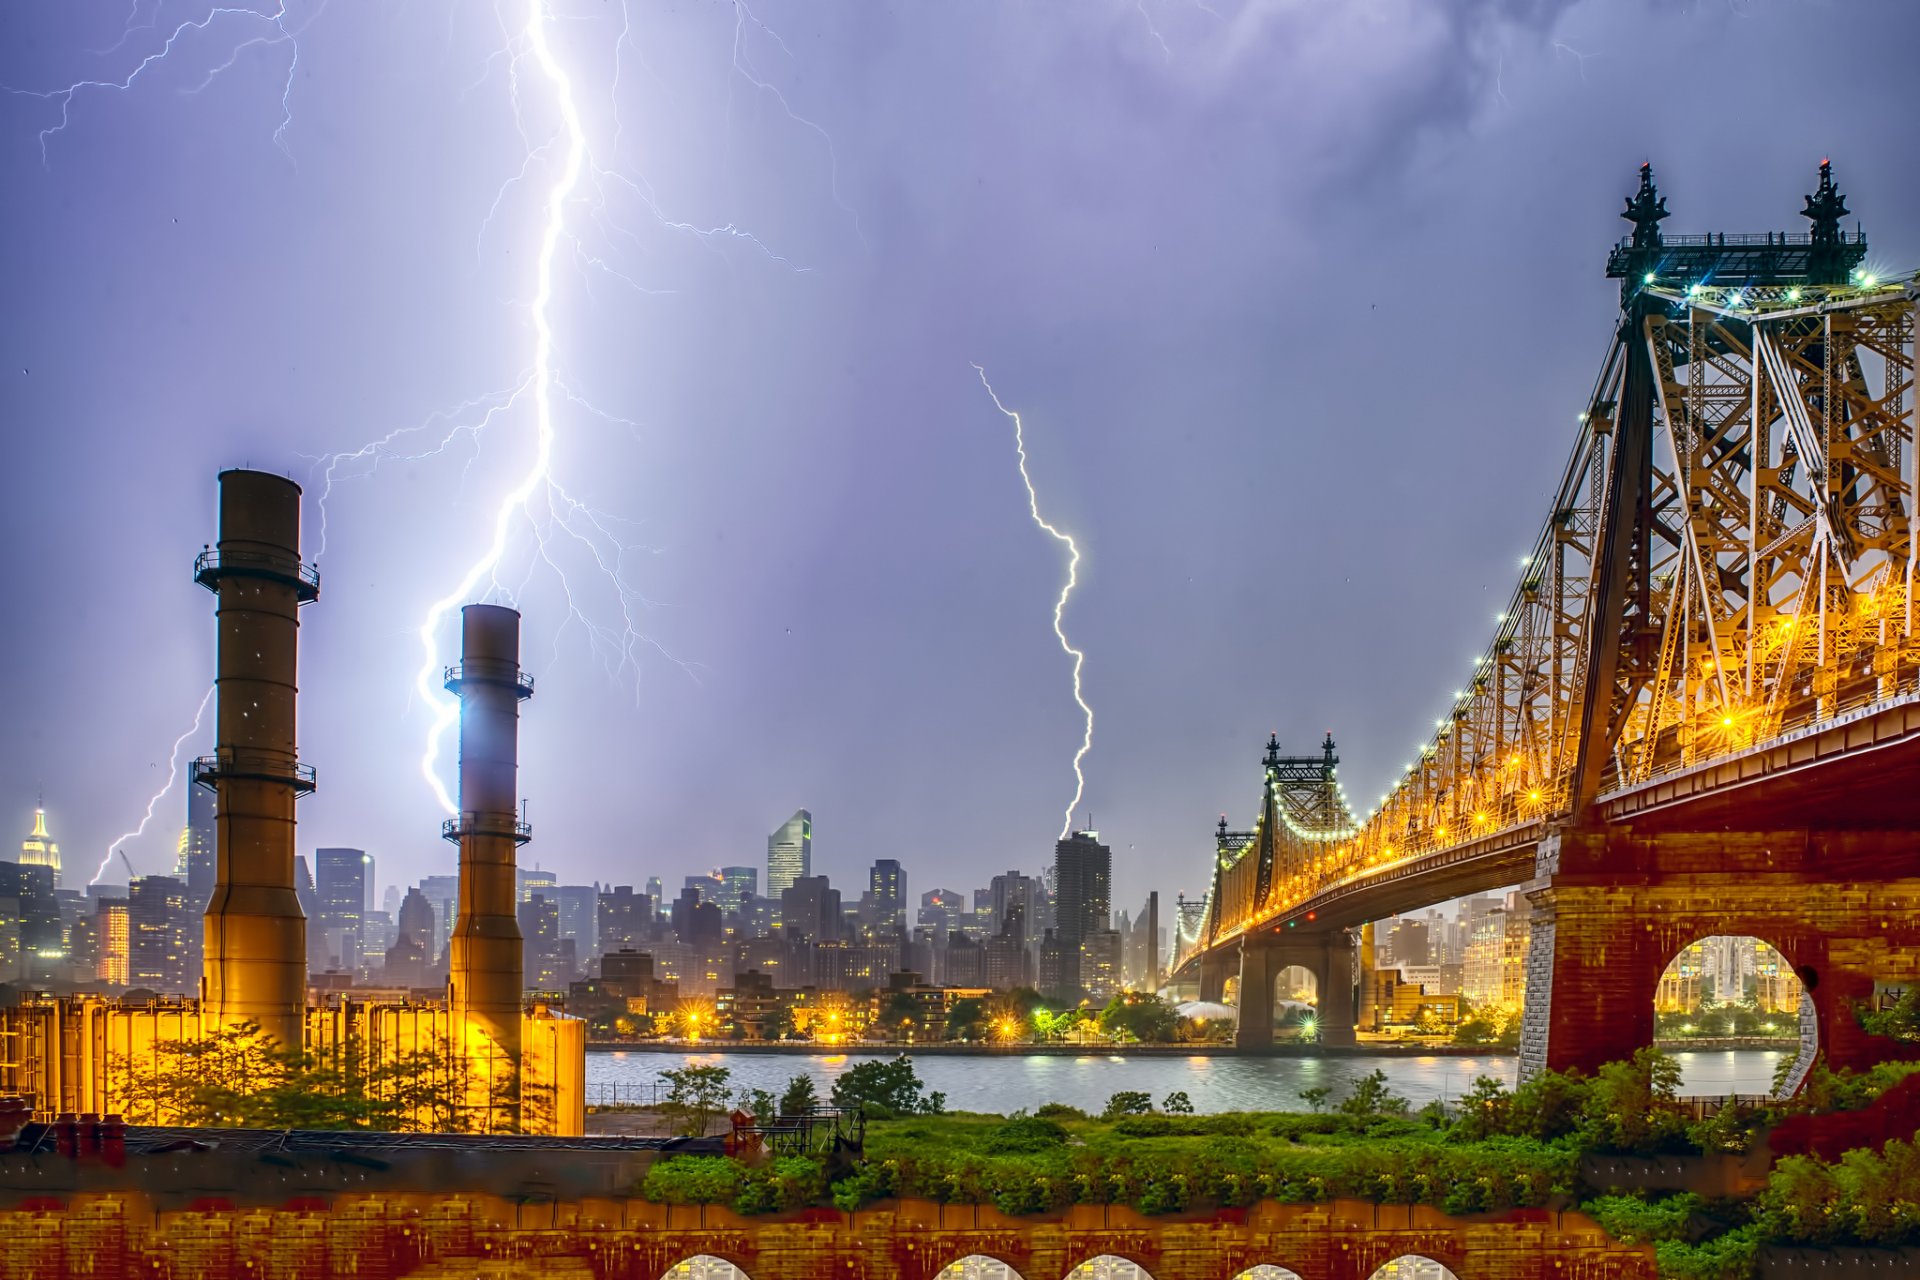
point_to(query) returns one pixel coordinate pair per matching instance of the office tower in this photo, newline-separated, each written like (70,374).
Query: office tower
(532,880)
(887,883)
(964,962)
(443,896)
(1082,875)
(340,887)
(158,925)
(113,932)
(810,909)
(390,900)
(548,964)
(1013,889)
(197,850)
(42,926)
(697,923)
(654,893)
(940,910)
(737,885)
(1057,981)
(1151,925)
(415,921)
(624,917)
(1411,943)
(789,853)
(580,917)
(1100,964)
(38,849)
(309,899)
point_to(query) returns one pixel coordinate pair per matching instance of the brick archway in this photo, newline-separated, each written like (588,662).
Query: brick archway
(706,1266)
(1807,1016)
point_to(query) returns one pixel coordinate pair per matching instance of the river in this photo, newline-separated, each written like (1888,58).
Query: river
(1006,1083)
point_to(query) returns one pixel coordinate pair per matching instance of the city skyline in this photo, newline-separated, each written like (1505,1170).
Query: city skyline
(858,621)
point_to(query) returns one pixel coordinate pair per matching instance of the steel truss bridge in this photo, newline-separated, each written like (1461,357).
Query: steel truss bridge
(1698,712)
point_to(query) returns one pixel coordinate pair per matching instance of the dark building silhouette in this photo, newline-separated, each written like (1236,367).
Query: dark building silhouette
(158,925)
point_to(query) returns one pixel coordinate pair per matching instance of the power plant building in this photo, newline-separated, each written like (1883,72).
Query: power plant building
(506,1066)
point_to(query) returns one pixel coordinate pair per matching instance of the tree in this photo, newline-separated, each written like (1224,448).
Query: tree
(1371,1097)
(1177,1103)
(887,1087)
(761,1105)
(1484,1109)
(964,1019)
(800,1097)
(902,1012)
(1128,1102)
(1631,1105)
(1139,1015)
(776,1024)
(696,1097)
(1316,1097)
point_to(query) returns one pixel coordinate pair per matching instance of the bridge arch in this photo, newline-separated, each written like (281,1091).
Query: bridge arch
(705,1266)
(1413,1266)
(979,1266)
(1745,983)
(1108,1266)
(1267,1271)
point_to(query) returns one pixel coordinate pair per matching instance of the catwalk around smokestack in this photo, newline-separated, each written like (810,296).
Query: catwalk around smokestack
(255,966)
(485,954)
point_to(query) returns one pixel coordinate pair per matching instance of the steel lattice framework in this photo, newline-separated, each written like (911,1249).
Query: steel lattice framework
(1729,558)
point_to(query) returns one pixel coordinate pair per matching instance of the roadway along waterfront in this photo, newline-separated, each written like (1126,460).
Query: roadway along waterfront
(1005,1083)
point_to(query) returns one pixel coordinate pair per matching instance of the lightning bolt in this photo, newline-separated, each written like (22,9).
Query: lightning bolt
(537,503)
(173,776)
(1060,603)
(278,33)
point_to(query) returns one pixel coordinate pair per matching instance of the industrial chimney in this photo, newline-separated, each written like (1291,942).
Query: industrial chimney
(255,966)
(485,958)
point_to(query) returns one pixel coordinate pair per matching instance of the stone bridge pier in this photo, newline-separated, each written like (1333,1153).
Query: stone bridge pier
(1265,956)
(1612,908)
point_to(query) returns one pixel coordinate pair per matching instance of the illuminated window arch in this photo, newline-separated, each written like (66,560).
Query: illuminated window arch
(1267,1272)
(704,1266)
(978,1266)
(1413,1266)
(1109,1267)
(1735,985)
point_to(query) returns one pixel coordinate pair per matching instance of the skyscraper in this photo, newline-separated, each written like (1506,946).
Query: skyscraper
(38,849)
(580,918)
(789,853)
(737,885)
(158,926)
(623,919)
(1082,876)
(887,885)
(340,892)
(196,865)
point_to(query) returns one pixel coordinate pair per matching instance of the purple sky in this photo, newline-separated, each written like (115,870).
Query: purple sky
(1298,299)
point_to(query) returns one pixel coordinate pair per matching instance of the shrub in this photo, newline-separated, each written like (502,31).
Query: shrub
(1177,1103)
(1633,1220)
(1128,1102)
(692,1180)
(1058,1111)
(1023,1135)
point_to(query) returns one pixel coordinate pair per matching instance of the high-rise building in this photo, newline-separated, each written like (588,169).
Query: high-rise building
(113,963)
(580,917)
(158,923)
(887,884)
(810,909)
(941,910)
(415,920)
(1083,906)
(1083,877)
(736,886)
(1410,943)
(789,853)
(548,962)
(655,894)
(340,887)
(1014,890)
(38,849)
(532,880)
(697,923)
(624,919)
(43,928)
(1100,964)
(196,862)
(443,895)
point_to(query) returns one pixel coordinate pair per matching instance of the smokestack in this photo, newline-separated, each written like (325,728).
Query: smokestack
(485,954)
(255,966)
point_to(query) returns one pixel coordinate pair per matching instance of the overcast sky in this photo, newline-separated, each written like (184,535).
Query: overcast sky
(1298,299)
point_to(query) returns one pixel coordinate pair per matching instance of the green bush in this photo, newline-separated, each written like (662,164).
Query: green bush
(1023,1135)
(1128,1102)
(1633,1219)
(692,1180)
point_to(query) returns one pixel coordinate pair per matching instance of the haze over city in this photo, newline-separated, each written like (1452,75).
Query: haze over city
(1237,333)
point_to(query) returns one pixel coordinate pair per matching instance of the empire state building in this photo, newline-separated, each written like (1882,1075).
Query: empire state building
(38,849)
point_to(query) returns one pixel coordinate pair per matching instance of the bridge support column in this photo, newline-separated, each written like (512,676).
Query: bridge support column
(1335,979)
(1613,909)
(1214,972)
(1259,966)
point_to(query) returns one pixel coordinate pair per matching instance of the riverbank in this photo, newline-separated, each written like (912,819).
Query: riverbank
(1710,1044)
(881,1049)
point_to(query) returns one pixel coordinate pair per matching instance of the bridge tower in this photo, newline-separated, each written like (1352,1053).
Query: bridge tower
(1714,579)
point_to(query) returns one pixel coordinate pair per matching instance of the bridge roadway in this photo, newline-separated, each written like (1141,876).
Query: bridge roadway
(1777,826)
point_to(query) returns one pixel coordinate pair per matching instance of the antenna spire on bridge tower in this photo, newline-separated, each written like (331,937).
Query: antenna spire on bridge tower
(1827,263)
